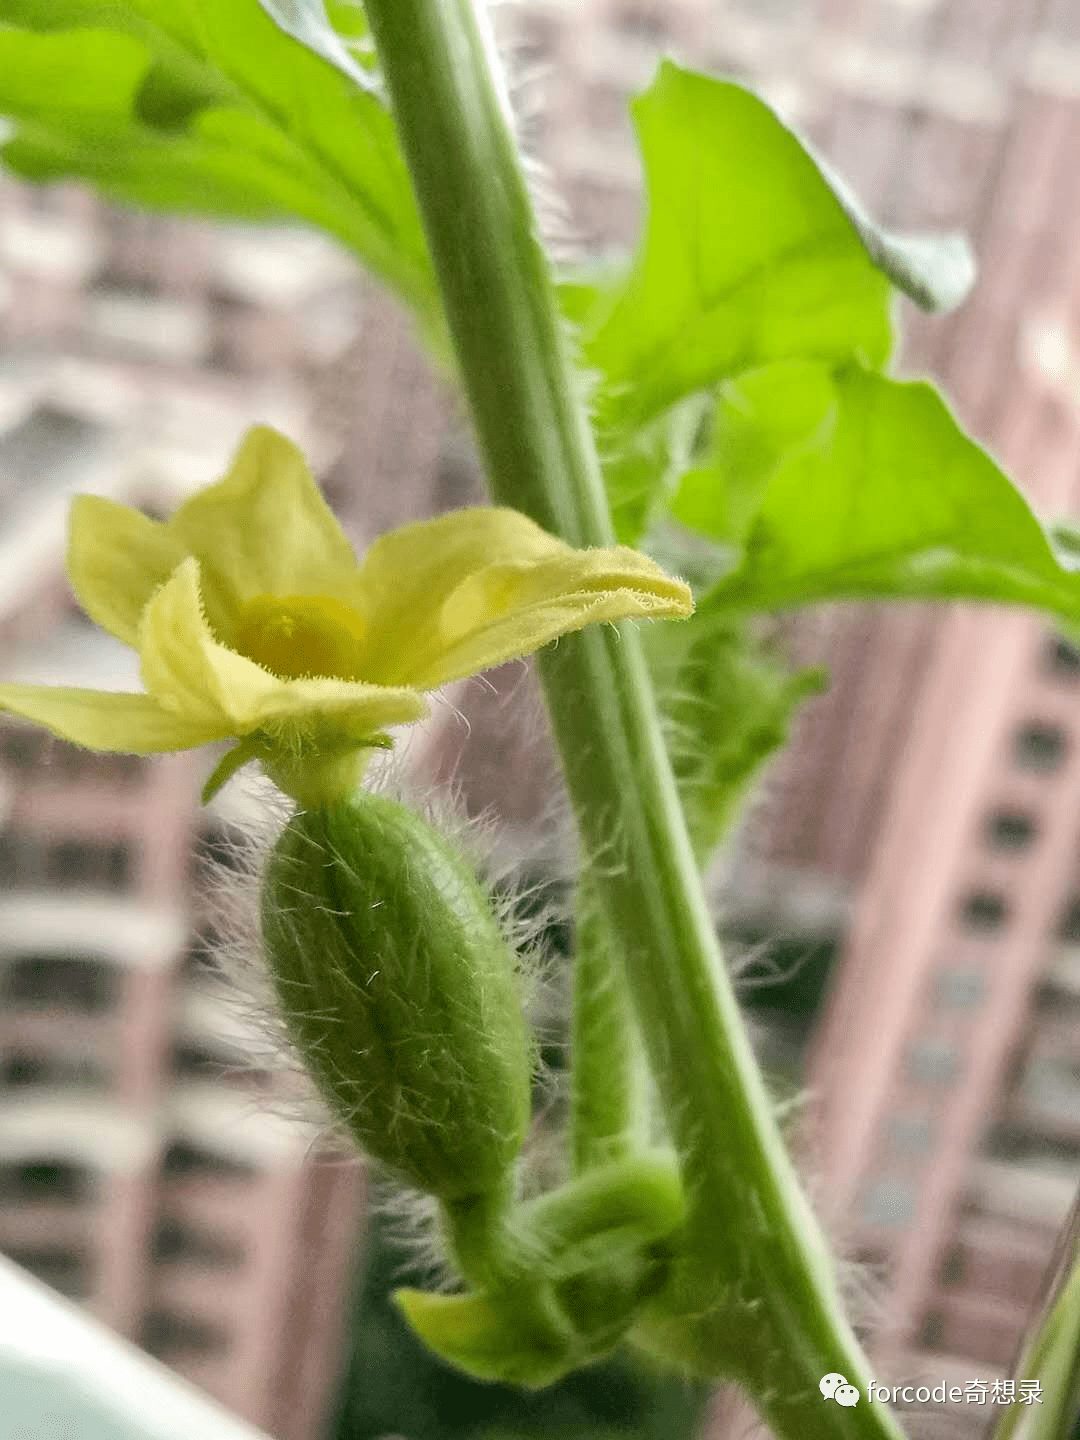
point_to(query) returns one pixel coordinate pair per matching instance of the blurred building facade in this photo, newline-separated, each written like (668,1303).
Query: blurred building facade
(926,813)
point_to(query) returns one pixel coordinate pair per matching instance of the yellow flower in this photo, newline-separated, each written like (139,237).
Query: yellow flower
(254,622)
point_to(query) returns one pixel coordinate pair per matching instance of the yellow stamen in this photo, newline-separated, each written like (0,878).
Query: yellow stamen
(295,636)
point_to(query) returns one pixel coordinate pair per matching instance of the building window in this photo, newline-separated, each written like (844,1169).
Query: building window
(193,1061)
(1040,746)
(932,1062)
(25,752)
(67,1072)
(953,1267)
(66,1270)
(71,862)
(123,769)
(1050,1087)
(455,479)
(959,989)
(69,760)
(27,1182)
(45,442)
(1061,660)
(536,41)
(1011,830)
(910,1134)
(641,20)
(20,749)
(183,1159)
(74,763)
(889,1204)
(177,1242)
(90,864)
(984,911)
(22,860)
(119,868)
(1018,1144)
(10,859)
(1069,929)
(83,983)
(168,1335)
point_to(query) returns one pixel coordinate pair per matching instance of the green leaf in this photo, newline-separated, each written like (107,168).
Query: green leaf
(727,702)
(883,496)
(490,1339)
(751,253)
(1047,1374)
(308,22)
(209,109)
(748,255)
(760,420)
(642,473)
(1065,539)
(937,271)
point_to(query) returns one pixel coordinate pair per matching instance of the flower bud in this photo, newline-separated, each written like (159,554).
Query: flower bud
(400,992)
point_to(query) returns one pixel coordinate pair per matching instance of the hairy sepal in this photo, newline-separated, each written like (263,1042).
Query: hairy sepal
(587,1257)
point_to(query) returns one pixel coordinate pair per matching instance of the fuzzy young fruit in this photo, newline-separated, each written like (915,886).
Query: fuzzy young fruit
(400,992)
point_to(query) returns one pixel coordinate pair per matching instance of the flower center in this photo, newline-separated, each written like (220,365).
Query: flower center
(299,635)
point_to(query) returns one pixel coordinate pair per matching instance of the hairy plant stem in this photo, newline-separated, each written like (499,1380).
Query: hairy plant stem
(753,1296)
(484,1244)
(608,1083)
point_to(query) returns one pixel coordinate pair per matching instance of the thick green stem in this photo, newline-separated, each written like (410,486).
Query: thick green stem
(608,1083)
(755,1297)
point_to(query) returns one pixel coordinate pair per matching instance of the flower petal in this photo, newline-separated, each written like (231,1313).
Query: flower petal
(193,674)
(530,623)
(263,529)
(450,597)
(182,665)
(106,719)
(116,559)
(343,707)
